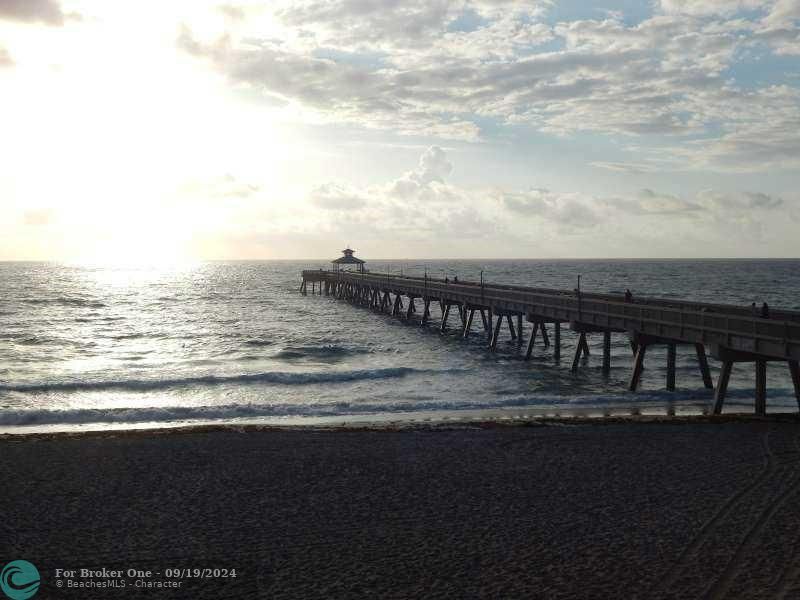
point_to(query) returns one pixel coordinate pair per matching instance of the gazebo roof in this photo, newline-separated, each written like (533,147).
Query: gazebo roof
(348,258)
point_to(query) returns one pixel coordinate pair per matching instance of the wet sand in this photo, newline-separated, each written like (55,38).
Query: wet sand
(564,510)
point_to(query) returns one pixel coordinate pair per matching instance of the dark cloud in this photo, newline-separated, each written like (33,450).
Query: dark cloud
(33,11)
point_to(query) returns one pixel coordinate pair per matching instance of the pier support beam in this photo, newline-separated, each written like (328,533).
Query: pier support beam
(606,352)
(426,310)
(794,371)
(519,329)
(496,333)
(532,339)
(729,357)
(581,349)
(557,341)
(545,337)
(761,388)
(638,367)
(671,367)
(722,386)
(411,308)
(510,327)
(445,316)
(468,324)
(702,362)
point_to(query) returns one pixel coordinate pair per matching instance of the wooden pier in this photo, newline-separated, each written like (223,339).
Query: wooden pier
(731,334)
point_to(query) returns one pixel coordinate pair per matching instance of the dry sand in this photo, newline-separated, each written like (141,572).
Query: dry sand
(621,510)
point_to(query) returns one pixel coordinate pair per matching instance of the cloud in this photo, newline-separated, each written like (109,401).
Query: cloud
(709,7)
(433,166)
(440,69)
(427,179)
(438,217)
(625,167)
(221,187)
(422,203)
(337,196)
(649,202)
(565,209)
(739,201)
(37,217)
(232,11)
(33,11)
(5,58)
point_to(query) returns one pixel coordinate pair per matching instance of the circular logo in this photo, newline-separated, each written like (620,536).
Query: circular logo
(19,580)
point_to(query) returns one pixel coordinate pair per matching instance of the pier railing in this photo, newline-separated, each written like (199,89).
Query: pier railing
(728,326)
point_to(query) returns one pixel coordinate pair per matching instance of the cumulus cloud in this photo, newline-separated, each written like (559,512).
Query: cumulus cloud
(427,179)
(709,7)
(566,209)
(32,11)
(451,219)
(440,68)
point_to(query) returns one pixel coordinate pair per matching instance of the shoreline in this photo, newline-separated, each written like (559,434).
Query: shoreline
(400,425)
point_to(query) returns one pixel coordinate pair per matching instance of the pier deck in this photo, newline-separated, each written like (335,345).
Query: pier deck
(732,334)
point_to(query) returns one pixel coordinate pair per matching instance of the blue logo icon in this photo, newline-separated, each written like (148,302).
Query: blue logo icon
(19,580)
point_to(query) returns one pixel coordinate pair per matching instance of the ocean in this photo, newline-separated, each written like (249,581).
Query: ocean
(98,347)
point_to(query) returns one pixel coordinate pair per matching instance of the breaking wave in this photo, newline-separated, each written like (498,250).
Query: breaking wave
(330,352)
(278,377)
(233,412)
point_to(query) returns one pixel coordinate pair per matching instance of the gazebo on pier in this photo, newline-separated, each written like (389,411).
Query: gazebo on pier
(348,259)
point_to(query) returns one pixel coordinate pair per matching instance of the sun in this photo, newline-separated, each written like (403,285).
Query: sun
(136,248)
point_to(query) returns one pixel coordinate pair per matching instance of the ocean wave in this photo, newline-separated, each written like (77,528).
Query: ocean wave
(327,352)
(258,343)
(274,377)
(65,301)
(12,417)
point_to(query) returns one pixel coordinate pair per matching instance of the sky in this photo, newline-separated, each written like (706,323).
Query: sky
(182,130)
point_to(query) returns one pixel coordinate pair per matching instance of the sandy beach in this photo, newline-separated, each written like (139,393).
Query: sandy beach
(562,510)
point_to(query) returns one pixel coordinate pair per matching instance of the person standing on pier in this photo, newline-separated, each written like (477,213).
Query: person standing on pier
(765,311)
(628,296)
(753,309)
